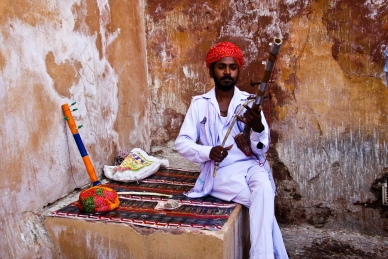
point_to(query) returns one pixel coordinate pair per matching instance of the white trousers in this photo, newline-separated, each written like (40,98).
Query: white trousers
(266,238)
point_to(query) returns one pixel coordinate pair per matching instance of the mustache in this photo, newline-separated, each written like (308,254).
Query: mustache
(226,77)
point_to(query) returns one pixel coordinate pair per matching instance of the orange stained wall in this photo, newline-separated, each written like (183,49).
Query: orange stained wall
(54,52)
(328,105)
(133,66)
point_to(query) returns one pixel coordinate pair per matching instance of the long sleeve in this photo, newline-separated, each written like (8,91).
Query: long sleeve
(260,137)
(189,136)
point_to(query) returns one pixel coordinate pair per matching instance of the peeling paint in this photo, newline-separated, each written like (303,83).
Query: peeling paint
(56,52)
(328,102)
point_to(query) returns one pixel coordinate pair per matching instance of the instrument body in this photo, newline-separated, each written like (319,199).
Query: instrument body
(243,139)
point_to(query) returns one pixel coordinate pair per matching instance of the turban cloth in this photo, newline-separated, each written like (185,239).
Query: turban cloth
(224,49)
(98,199)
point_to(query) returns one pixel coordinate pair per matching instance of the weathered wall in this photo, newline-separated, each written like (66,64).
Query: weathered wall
(328,104)
(54,52)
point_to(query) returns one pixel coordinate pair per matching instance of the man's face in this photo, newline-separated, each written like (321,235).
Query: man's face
(225,73)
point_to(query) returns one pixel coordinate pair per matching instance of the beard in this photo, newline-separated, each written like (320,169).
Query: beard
(225,83)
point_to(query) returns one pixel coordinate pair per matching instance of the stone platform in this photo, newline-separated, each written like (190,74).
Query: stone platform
(76,238)
(206,228)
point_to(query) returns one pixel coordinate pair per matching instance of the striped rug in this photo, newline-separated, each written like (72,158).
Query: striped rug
(206,213)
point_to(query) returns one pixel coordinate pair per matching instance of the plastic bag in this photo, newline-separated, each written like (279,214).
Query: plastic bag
(136,166)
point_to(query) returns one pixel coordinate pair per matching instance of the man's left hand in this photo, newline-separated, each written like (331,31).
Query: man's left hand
(252,118)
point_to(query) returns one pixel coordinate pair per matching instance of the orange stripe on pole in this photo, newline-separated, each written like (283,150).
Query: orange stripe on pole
(69,119)
(90,169)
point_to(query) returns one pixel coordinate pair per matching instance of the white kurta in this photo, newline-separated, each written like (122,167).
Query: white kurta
(240,178)
(194,143)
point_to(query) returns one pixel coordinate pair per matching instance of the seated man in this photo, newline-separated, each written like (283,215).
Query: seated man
(243,179)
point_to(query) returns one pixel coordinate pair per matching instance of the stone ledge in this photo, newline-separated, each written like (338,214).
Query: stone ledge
(73,238)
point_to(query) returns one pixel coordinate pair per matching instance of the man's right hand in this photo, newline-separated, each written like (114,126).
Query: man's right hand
(218,153)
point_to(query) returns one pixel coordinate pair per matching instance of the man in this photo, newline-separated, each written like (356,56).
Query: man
(243,179)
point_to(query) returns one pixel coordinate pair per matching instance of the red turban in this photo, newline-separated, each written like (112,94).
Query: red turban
(224,49)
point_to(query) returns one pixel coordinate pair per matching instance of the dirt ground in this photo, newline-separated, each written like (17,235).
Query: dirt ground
(304,241)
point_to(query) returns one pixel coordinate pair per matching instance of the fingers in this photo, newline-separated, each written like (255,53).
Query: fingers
(247,118)
(253,112)
(224,151)
(222,154)
(250,115)
(240,118)
(250,109)
(247,107)
(218,153)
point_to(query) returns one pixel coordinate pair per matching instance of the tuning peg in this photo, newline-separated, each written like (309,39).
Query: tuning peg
(80,126)
(73,103)
(76,109)
(66,118)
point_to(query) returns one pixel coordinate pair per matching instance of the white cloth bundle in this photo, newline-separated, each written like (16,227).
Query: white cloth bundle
(136,166)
